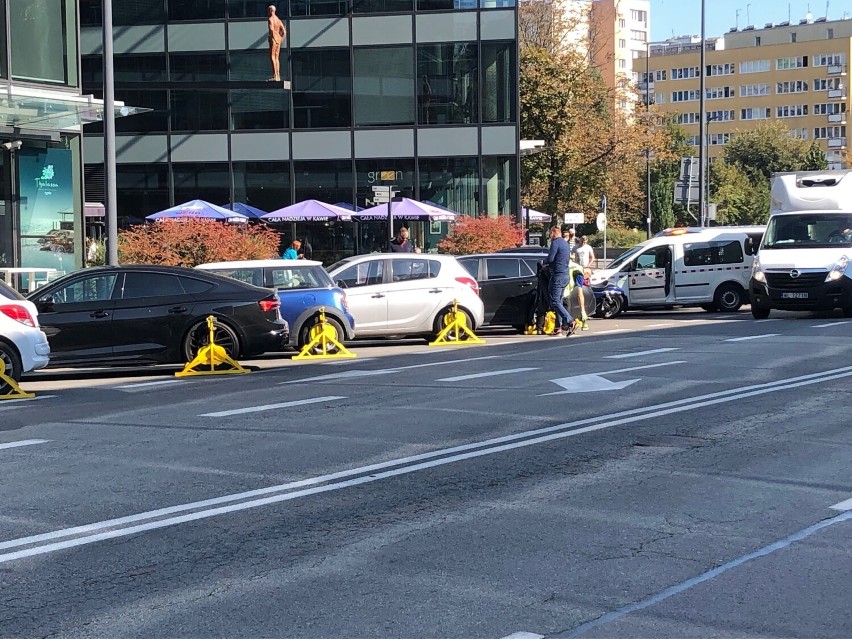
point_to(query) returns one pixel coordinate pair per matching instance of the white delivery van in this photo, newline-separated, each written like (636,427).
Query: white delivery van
(707,267)
(801,264)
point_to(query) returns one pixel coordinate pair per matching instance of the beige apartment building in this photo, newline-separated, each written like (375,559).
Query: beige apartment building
(792,72)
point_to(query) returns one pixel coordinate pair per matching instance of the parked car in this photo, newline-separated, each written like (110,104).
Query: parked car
(23,345)
(303,287)
(534,249)
(507,285)
(396,294)
(154,314)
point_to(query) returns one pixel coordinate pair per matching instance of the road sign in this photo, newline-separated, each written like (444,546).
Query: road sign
(381,198)
(600,220)
(686,193)
(574,218)
(689,169)
(382,189)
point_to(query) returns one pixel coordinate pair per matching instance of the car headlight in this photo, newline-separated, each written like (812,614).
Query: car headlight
(757,272)
(839,269)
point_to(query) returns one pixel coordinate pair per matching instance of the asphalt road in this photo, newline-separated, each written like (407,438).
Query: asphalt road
(661,475)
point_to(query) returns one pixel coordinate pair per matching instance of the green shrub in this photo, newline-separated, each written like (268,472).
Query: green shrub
(618,237)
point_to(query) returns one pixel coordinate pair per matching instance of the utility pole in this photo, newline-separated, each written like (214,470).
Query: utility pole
(702,154)
(648,148)
(110,191)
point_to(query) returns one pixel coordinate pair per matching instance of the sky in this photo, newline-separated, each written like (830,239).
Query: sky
(683,17)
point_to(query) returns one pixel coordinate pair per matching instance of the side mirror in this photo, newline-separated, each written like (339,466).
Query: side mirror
(341,284)
(45,301)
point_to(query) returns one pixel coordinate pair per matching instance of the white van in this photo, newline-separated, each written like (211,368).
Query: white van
(801,264)
(707,267)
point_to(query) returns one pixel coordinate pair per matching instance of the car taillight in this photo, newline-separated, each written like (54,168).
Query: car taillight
(18,313)
(469,282)
(269,304)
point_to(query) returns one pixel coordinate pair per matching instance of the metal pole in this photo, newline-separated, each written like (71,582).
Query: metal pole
(701,126)
(390,219)
(648,149)
(110,191)
(707,178)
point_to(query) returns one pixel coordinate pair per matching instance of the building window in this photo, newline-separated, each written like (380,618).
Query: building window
(828,109)
(447,5)
(660,76)
(318,7)
(265,185)
(321,89)
(253,66)
(196,9)
(199,110)
(325,180)
(451,182)
(827,84)
(622,64)
(793,62)
(622,43)
(382,6)
(756,113)
(638,16)
(258,109)
(641,36)
(791,111)
(370,173)
(754,66)
(829,132)
(126,69)
(717,93)
(685,73)
(447,83)
(44,41)
(793,37)
(622,23)
(752,90)
(757,41)
(499,82)
(829,60)
(498,185)
(829,34)
(142,189)
(210,178)
(198,67)
(720,69)
(791,86)
(252,8)
(686,96)
(384,86)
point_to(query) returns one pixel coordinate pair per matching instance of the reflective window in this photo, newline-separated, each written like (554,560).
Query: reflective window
(451,182)
(138,285)
(254,66)
(398,172)
(253,8)
(154,121)
(414,269)
(498,184)
(363,274)
(496,4)
(382,6)
(447,83)
(198,67)
(253,276)
(319,7)
(97,288)
(707,253)
(471,265)
(196,9)
(259,109)
(211,179)
(498,82)
(123,13)
(265,185)
(195,286)
(44,41)
(142,189)
(502,268)
(325,180)
(199,110)
(321,89)
(445,5)
(312,277)
(2,43)
(384,86)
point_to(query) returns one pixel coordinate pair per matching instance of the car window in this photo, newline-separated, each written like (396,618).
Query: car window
(137,285)
(97,288)
(500,268)
(655,258)
(697,254)
(9,293)
(414,269)
(287,278)
(529,267)
(471,265)
(194,285)
(362,274)
(253,276)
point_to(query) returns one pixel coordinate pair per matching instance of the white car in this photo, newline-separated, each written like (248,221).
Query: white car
(23,345)
(406,293)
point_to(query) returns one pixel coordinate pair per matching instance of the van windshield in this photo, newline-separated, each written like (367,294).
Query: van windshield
(622,259)
(808,230)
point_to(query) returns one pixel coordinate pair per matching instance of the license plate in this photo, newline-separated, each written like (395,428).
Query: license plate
(794,296)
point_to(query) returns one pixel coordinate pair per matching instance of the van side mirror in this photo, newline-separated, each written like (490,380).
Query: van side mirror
(749,246)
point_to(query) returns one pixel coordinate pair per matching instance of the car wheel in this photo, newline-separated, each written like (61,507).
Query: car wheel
(759,312)
(12,366)
(445,317)
(729,298)
(311,328)
(199,335)
(610,307)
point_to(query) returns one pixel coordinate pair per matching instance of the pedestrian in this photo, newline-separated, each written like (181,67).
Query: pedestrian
(541,301)
(557,262)
(585,253)
(292,253)
(569,235)
(307,251)
(401,244)
(577,280)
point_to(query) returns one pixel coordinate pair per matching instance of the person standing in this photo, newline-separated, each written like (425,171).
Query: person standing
(569,235)
(585,253)
(292,253)
(401,243)
(557,262)
(277,33)
(307,251)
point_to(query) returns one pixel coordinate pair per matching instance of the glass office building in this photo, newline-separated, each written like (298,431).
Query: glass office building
(41,112)
(418,94)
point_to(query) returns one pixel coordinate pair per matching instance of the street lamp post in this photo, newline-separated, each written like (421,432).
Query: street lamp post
(702,155)
(706,211)
(647,148)
(110,195)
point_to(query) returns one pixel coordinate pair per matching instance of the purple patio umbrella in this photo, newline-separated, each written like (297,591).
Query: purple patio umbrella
(198,209)
(406,209)
(248,210)
(308,211)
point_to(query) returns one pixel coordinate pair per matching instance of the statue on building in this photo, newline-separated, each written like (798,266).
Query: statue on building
(277,33)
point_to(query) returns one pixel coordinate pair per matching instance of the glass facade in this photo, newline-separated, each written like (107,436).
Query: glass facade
(447,91)
(383,78)
(44,41)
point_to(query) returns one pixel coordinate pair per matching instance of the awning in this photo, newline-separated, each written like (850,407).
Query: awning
(29,108)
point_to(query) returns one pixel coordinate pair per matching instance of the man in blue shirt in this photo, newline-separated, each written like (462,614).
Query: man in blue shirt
(557,262)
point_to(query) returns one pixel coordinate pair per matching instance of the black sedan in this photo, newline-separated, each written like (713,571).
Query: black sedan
(154,314)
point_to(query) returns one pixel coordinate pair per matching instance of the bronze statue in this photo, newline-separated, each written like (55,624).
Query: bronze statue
(277,33)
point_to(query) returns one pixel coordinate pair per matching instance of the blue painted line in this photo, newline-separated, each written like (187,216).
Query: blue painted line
(707,576)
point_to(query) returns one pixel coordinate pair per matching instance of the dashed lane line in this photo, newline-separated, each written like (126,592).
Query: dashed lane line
(830,324)
(750,337)
(9,403)
(24,442)
(843,505)
(507,371)
(641,353)
(161,382)
(265,407)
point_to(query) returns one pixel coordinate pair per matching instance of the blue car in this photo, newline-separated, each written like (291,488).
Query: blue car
(303,286)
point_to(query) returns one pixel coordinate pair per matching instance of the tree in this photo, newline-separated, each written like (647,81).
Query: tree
(481,235)
(738,199)
(192,242)
(766,149)
(815,158)
(665,172)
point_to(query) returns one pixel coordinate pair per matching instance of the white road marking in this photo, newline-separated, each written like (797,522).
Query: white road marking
(773,319)
(82,535)
(24,442)
(8,402)
(507,371)
(523,635)
(659,325)
(843,505)
(829,324)
(259,409)
(611,332)
(587,384)
(384,371)
(749,337)
(641,353)
(360,360)
(145,384)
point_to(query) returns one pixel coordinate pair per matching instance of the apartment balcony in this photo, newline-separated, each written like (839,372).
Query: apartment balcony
(837,69)
(836,143)
(837,118)
(645,87)
(837,94)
